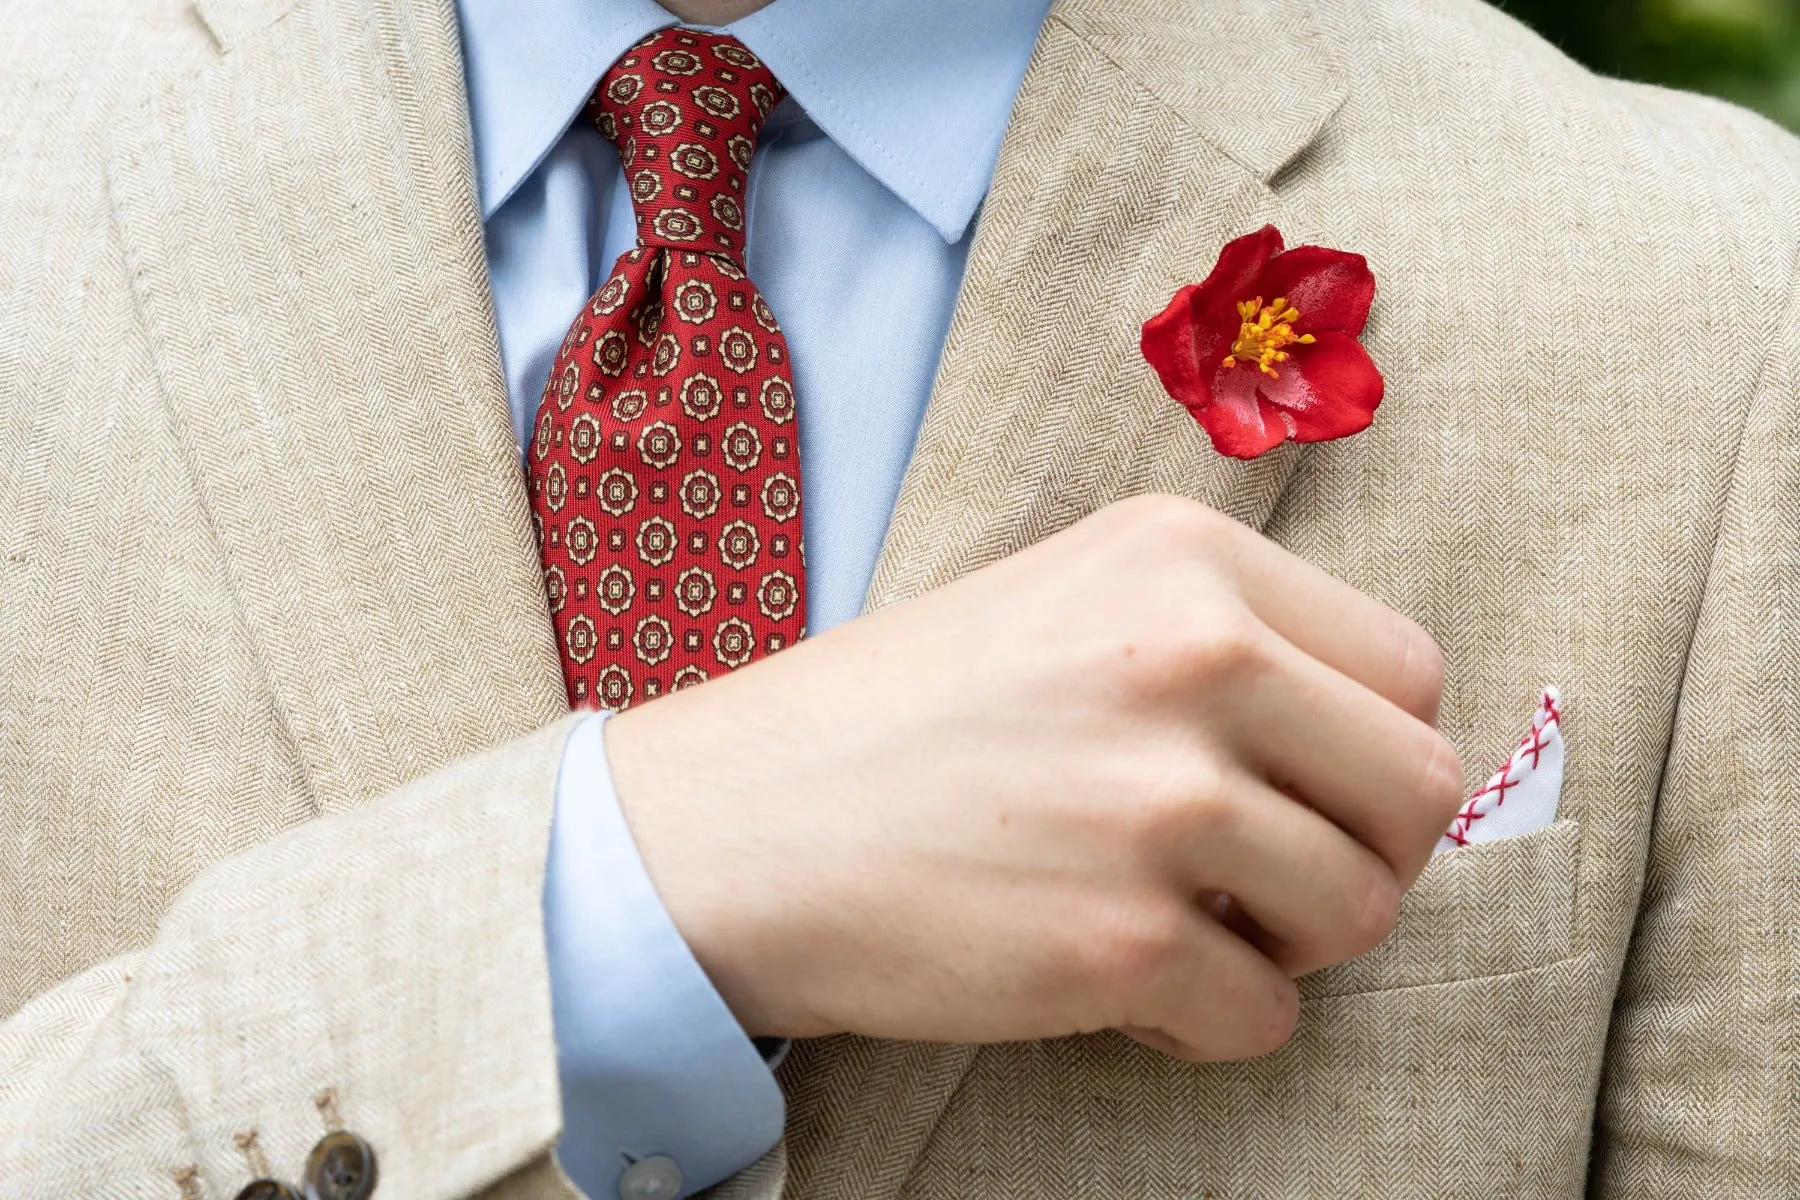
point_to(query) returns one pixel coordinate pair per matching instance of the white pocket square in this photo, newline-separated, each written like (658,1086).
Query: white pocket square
(1523,794)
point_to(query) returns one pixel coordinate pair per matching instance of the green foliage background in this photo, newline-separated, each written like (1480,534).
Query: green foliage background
(1745,50)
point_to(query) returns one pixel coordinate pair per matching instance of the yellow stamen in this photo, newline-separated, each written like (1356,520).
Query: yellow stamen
(1264,331)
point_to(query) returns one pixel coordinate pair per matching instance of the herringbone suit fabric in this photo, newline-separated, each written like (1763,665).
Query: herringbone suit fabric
(238,598)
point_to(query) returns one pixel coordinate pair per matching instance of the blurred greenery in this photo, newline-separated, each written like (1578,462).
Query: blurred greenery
(1744,50)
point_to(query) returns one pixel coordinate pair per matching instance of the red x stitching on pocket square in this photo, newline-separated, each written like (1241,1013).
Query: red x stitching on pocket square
(1523,794)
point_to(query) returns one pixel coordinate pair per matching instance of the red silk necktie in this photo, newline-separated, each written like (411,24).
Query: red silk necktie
(665,466)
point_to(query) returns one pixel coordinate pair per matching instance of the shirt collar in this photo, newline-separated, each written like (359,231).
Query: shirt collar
(916,91)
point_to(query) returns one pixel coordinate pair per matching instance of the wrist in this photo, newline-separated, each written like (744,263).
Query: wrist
(707,853)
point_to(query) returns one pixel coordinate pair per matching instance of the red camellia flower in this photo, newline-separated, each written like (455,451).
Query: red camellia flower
(1265,349)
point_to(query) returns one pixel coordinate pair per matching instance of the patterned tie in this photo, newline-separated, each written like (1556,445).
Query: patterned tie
(665,470)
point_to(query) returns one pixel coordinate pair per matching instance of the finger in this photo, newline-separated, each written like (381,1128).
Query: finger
(1347,630)
(1216,998)
(1383,776)
(1313,895)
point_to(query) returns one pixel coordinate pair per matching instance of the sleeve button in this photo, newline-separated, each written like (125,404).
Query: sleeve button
(340,1167)
(268,1189)
(653,1178)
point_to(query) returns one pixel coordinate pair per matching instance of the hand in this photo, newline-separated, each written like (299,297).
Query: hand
(1138,776)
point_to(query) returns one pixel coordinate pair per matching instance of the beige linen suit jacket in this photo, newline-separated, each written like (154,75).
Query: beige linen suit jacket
(280,714)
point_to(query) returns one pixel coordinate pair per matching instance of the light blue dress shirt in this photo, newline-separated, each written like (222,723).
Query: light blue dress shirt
(858,210)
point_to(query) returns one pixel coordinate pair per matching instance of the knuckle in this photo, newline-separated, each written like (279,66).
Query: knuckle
(1155,514)
(1188,806)
(1133,951)
(1419,678)
(1181,639)
(1155,524)
(1275,1020)
(1372,911)
(1228,645)
(1440,781)
(1192,805)
(1212,810)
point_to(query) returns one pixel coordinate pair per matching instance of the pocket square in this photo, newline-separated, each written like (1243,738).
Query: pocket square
(1523,794)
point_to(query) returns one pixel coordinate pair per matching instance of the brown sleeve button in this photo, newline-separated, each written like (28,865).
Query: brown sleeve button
(340,1167)
(268,1189)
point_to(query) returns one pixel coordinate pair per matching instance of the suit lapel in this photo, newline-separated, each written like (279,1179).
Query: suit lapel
(301,223)
(1141,141)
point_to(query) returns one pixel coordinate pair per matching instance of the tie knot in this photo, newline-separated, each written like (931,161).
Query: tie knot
(684,108)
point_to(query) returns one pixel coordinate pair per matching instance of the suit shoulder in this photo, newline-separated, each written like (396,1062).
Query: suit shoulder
(1501,99)
(64,66)
(1439,85)
(69,73)
(1473,159)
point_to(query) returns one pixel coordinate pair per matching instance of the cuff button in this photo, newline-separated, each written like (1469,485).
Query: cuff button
(268,1189)
(340,1167)
(654,1178)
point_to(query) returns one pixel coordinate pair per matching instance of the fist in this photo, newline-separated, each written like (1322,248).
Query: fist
(1138,776)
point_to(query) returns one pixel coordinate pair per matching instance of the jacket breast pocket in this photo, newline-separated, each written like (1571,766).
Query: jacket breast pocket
(1490,908)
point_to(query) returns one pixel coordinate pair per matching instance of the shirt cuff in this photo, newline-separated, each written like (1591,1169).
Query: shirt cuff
(659,1081)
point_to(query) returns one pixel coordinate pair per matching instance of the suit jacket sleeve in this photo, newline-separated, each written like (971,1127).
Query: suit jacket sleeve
(1701,1091)
(383,968)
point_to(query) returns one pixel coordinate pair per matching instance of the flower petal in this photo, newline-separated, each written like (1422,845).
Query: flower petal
(1175,345)
(1240,423)
(1333,289)
(1242,262)
(1331,388)
(1185,342)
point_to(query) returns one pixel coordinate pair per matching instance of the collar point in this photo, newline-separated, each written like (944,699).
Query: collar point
(950,215)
